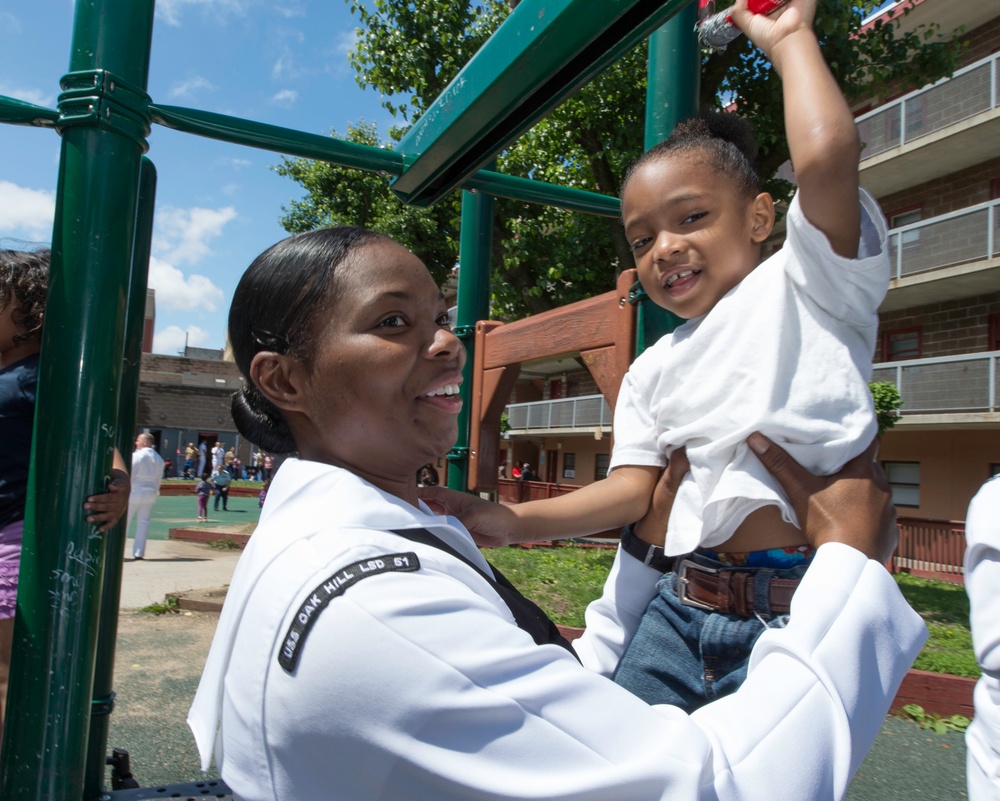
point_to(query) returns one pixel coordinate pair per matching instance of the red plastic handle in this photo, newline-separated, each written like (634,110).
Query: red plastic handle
(764,6)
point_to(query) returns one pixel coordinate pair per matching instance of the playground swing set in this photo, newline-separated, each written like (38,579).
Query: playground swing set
(60,695)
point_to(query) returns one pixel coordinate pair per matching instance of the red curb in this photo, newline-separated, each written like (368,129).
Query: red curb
(188,489)
(938,693)
(207,535)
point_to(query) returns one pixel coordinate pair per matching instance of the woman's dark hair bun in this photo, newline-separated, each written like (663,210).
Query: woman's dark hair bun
(260,422)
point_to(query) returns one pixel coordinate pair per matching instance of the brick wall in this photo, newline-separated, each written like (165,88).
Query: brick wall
(948,328)
(950,193)
(164,406)
(981,42)
(157,363)
(186,394)
(574,385)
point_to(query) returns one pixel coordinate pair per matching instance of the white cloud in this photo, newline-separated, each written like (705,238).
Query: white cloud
(178,292)
(170,11)
(36,96)
(190,86)
(173,338)
(345,41)
(11,24)
(229,161)
(27,213)
(282,67)
(182,235)
(286,98)
(289,11)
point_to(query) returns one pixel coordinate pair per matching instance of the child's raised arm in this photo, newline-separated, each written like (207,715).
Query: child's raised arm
(822,137)
(621,498)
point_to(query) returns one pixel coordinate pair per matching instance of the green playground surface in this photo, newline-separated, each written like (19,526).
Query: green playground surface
(181,511)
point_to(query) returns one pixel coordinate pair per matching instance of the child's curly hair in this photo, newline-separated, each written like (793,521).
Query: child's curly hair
(724,140)
(24,282)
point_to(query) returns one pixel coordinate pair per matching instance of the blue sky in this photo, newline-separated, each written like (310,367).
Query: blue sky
(277,61)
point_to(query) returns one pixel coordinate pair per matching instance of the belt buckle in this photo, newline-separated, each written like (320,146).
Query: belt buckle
(682,583)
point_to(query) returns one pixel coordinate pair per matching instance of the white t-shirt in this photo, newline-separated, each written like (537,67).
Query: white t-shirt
(147,473)
(417,684)
(787,352)
(982,583)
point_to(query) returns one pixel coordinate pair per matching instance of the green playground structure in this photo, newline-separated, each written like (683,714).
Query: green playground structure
(60,695)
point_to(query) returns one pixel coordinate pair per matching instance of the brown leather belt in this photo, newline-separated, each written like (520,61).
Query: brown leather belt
(731,592)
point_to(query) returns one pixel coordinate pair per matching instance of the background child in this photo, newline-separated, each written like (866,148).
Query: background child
(783,348)
(24,280)
(203,489)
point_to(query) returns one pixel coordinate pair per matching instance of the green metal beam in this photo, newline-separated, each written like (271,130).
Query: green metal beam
(18,112)
(102,125)
(672,91)
(673,76)
(474,256)
(365,157)
(542,53)
(102,704)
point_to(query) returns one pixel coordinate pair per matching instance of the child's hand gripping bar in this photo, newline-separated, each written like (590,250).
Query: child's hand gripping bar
(715,31)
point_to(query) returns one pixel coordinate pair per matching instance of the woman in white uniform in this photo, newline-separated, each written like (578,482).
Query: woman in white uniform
(367,650)
(982,580)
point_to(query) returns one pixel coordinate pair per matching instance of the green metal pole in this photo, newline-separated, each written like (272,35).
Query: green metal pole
(673,75)
(475,250)
(103,124)
(135,314)
(673,79)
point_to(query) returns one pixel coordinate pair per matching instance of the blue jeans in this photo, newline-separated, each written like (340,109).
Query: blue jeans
(686,656)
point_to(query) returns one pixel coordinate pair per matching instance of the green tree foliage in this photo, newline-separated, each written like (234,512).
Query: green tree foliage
(546,257)
(888,402)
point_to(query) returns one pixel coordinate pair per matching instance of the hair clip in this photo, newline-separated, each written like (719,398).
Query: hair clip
(270,341)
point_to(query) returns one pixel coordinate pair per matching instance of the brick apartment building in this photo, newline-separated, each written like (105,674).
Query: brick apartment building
(186,399)
(932,159)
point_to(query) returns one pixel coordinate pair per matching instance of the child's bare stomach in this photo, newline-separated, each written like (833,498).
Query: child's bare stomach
(763,529)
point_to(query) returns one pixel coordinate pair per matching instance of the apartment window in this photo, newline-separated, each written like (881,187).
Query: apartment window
(601,463)
(994,340)
(569,465)
(907,239)
(900,344)
(904,479)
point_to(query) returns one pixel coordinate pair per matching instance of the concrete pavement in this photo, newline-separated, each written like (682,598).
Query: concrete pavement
(173,566)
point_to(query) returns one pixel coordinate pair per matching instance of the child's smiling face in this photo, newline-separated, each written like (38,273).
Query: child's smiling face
(693,234)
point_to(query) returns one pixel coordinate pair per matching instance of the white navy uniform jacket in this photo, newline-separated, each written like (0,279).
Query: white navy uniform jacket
(982,582)
(416,683)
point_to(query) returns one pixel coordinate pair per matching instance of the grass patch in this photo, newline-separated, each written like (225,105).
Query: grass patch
(564,580)
(168,606)
(561,580)
(945,609)
(225,544)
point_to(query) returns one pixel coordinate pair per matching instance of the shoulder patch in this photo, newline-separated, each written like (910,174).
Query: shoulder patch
(336,585)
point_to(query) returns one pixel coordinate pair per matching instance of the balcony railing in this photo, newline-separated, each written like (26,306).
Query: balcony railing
(970,91)
(963,236)
(965,383)
(585,412)
(932,548)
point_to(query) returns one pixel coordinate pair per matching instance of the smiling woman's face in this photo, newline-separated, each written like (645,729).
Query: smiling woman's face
(381,395)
